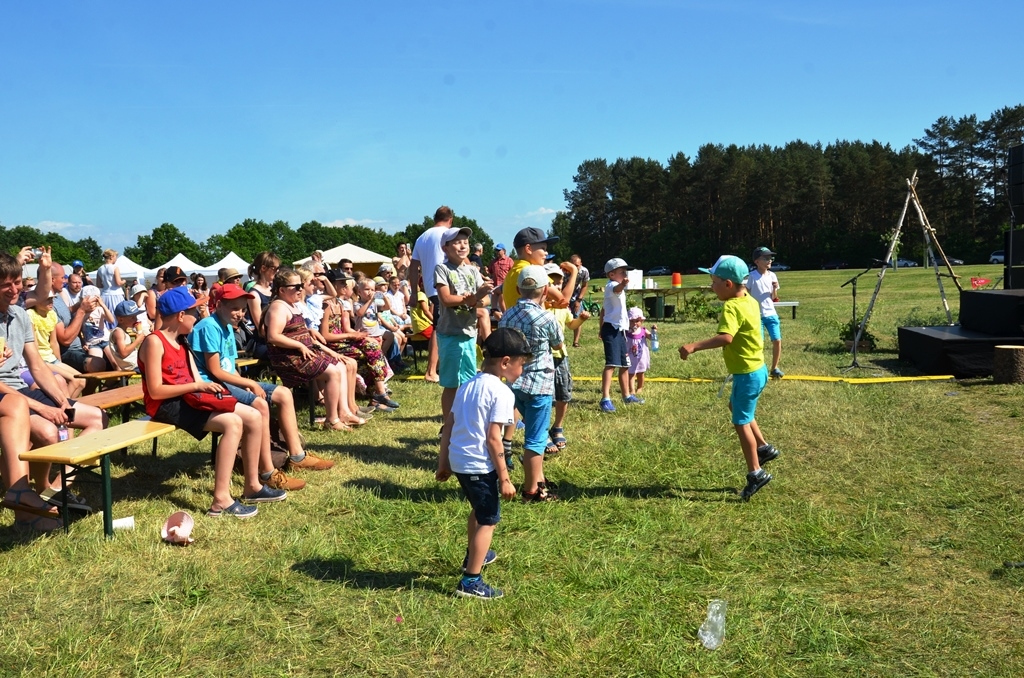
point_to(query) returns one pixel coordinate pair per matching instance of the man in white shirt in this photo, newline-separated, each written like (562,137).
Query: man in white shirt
(426,255)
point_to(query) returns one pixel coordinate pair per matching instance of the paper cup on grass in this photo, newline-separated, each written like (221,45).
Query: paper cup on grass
(178,529)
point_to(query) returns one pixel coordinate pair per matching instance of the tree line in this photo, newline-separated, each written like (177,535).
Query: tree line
(246,239)
(811,203)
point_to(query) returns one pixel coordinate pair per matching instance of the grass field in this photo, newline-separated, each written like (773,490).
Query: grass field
(877,550)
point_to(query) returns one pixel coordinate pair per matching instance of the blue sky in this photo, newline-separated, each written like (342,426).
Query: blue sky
(117,117)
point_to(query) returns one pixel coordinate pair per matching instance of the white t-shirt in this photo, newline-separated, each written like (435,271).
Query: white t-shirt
(760,287)
(482,400)
(428,252)
(615,307)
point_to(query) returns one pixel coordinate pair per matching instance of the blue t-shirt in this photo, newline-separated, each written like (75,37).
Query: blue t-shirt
(209,336)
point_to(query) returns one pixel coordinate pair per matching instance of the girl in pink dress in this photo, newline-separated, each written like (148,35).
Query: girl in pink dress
(639,353)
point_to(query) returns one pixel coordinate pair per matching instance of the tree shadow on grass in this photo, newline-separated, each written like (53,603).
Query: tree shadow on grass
(406,454)
(709,494)
(388,490)
(344,571)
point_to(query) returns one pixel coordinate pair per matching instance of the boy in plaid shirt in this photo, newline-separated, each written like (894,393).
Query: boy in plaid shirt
(534,390)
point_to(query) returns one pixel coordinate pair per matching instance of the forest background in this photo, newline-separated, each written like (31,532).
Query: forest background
(811,203)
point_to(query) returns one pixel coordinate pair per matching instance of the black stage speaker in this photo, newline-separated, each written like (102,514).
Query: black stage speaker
(996,312)
(1013,271)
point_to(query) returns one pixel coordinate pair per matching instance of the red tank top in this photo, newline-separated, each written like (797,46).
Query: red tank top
(174,369)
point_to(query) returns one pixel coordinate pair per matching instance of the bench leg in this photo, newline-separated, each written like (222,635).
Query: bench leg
(65,518)
(794,313)
(108,517)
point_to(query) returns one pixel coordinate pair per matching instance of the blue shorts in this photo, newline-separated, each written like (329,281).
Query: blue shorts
(746,388)
(456,359)
(536,411)
(248,397)
(616,348)
(773,326)
(484,494)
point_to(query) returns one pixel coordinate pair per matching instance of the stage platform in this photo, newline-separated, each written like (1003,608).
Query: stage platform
(951,350)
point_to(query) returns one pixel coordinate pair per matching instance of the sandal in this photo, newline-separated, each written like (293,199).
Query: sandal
(551,449)
(336,425)
(46,511)
(558,437)
(40,525)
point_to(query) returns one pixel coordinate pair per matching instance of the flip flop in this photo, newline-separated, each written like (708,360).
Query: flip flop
(33,526)
(15,505)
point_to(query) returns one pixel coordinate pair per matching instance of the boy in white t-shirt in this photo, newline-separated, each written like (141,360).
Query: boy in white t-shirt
(614,324)
(471,448)
(764,287)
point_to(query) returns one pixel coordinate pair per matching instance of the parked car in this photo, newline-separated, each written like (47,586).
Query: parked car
(953,261)
(905,263)
(779,266)
(660,270)
(997,257)
(835,264)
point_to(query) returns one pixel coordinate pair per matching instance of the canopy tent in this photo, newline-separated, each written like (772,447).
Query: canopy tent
(184,263)
(362,259)
(230,260)
(30,270)
(129,269)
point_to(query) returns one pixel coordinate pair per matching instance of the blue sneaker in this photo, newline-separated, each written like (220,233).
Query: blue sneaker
(777,373)
(488,559)
(266,495)
(607,405)
(237,509)
(478,589)
(633,400)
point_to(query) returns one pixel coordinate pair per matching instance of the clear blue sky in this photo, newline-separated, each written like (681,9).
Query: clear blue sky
(117,117)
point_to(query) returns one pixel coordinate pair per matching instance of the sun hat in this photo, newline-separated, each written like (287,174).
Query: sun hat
(636,314)
(729,267)
(554,269)
(614,264)
(175,300)
(138,287)
(230,273)
(532,277)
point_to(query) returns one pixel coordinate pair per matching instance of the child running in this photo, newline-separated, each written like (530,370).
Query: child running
(639,353)
(764,287)
(471,449)
(739,337)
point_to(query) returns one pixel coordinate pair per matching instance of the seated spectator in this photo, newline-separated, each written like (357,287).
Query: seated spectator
(50,408)
(398,295)
(300,357)
(139,294)
(213,342)
(365,350)
(168,375)
(95,332)
(368,307)
(70,322)
(126,338)
(31,512)
(44,325)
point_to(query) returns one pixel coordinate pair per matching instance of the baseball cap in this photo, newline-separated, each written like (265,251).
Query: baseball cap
(729,267)
(229,291)
(614,264)
(139,287)
(453,233)
(77,263)
(175,300)
(336,275)
(554,269)
(532,277)
(506,342)
(532,236)
(173,274)
(126,309)
(385,268)
(500,246)
(762,251)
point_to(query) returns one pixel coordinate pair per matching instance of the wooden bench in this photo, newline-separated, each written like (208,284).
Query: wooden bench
(791,304)
(87,452)
(95,380)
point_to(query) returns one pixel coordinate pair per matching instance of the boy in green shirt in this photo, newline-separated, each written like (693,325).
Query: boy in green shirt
(739,337)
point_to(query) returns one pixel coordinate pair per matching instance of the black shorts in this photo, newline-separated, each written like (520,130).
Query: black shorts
(435,302)
(484,494)
(616,348)
(179,413)
(40,397)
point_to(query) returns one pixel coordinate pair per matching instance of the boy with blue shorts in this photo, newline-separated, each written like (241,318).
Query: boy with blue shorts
(534,390)
(614,324)
(739,337)
(471,449)
(213,344)
(764,287)
(459,287)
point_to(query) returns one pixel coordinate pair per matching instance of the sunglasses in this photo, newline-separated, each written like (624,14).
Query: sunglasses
(296,287)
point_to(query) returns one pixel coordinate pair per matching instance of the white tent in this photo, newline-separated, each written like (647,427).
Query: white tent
(230,260)
(183,262)
(30,270)
(362,259)
(130,270)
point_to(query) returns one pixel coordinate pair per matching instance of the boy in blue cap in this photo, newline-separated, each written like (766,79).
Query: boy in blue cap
(739,337)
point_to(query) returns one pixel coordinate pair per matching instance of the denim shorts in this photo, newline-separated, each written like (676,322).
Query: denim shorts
(536,412)
(248,397)
(456,359)
(616,349)
(746,388)
(563,380)
(484,494)
(771,324)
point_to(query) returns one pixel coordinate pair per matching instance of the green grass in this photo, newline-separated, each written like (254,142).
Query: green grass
(876,551)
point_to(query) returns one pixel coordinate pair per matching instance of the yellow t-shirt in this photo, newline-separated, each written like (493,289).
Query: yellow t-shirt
(509,288)
(420,320)
(741,317)
(43,326)
(564,317)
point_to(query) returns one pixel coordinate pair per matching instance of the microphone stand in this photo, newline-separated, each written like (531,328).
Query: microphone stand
(853,281)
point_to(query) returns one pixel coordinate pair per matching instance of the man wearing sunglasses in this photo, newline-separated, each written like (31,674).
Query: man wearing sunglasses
(764,287)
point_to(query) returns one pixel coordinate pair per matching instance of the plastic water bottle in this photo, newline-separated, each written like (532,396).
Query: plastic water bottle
(62,433)
(655,344)
(712,631)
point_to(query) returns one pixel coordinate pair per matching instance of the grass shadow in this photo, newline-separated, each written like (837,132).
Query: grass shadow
(392,491)
(703,494)
(405,455)
(344,571)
